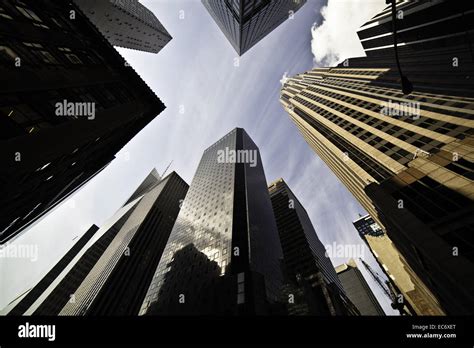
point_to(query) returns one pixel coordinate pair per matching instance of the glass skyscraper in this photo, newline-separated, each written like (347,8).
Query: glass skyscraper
(48,150)
(365,225)
(307,266)
(223,255)
(126,24)
(358,290)
(25,302)
(246,22)
(109,272)
(407,158)
(378,242)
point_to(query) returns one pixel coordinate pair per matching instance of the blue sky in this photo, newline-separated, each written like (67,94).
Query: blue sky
(207,93)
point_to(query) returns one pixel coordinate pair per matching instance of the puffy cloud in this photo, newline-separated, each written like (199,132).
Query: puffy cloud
(335,38)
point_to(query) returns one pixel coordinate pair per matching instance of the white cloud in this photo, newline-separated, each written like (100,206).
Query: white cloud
(335,38)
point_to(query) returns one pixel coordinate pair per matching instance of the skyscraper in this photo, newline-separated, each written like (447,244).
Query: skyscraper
(305,257)
(366,226)
(126,23)
(69,104)
(22,304)
(434,60)
(246,22)
(408,159)
(111,273)
(358,290)
(376,239)
(223,255)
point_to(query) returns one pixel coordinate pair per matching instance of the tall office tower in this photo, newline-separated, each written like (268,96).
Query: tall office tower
(358,290)
(376,239)
(305,257)
(436,61)
(223,255)
(366,226)
(112,272)
(246,22)
(126,23)
(408,159)
(69,104)
(21,305)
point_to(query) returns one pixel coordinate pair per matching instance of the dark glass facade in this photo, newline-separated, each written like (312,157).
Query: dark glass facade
(366,225)
(58,295)
(49,151)
(126,24)
(48,279)
(118,282)
(358,290)
(223,255)
(246,22)
(310,275)
(436,35)
(112,273)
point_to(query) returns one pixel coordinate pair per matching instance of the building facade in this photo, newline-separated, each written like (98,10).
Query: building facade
(408,159)
(305,259)
(358,290)
(69,104)
(21,305)
(434,60)
(246,22)
(223,255)
(111,273)
(375,238)
(126,24)
(366,226)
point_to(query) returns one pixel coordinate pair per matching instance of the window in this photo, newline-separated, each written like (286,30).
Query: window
(46,57)
(73,58)
(56,22)
(39,51)
(31,44)
(28,14)
(23,114)
(7,54)
(40,25)
(3,14)
(42,167)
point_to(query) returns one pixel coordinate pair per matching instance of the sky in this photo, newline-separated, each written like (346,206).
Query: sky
(208,90)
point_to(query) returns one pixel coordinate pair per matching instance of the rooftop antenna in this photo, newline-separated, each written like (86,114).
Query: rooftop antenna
(166,169)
